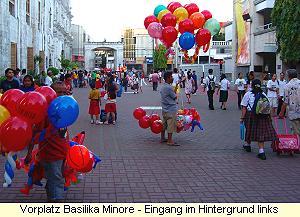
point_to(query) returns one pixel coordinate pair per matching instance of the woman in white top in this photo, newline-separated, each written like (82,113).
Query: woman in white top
(190,83)
(259,128)
(273,91)
(223,89)
(240,84)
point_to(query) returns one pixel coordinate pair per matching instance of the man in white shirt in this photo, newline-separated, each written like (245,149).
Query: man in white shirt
(48,79)
(273,90)
(282,84)
(240,84)
(210,86)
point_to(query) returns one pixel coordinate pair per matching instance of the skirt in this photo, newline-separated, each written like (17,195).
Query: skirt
(259,128)
(94,107)
(223,96)
(111,107)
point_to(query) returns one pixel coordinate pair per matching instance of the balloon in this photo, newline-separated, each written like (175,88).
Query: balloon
(138,113)
(186,25)
(213,26)
(15,134)
(0,96)
(168,20)
(206,14)
(63,111)
(188,119)
(154,117)
(173,6)
(187,41)
(10,167)
(203,37)
(155,30)
(186,127)
(47,92)
(162,13)
(191,8)
(157,127)
(32,107)
(9,100)
(169,35)
(144,122)
(181,14)
(4,114)
(89,166)
(158,9)
(192,111)
(78,157)
(198,20)
(150,19)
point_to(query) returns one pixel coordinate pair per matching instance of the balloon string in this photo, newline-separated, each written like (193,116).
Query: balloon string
(156,43)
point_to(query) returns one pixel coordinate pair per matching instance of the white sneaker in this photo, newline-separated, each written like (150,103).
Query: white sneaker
(92,121)
(97,122)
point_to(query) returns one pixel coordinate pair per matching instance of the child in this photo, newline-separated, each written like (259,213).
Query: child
(135,84)
(28,84)
(111,107)
(95,102)
(190,83)
(169,108)
(52,153)
(273,91)
(10,82)
(223,89)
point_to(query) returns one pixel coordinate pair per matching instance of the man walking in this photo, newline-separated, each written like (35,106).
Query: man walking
(210,84)
(155,80)
(292,100)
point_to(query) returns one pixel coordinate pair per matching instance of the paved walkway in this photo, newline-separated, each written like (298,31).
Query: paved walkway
(209,166)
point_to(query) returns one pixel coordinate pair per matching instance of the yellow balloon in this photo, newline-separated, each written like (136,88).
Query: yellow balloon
(4,114)
(162,13)
(181,14)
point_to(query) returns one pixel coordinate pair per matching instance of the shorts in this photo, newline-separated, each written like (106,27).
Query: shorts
(273,102)
(111,107)
(55,179)
(170,122)
(223,96)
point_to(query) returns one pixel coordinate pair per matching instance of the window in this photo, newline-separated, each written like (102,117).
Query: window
(39,15)
(50,18)
(28,12)
(12,7)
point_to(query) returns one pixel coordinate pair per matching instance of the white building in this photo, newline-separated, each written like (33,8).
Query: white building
(31,29)
(79,38)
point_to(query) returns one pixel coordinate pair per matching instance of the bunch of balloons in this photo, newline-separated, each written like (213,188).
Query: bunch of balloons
(145,121)
(195,27)
(11,164)
(187,118)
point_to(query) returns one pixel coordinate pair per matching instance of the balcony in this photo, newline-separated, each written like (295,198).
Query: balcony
(261,5)
(264,29)
(265,40)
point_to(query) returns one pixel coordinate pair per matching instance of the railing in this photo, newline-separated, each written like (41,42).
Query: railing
(221,43)
(264,27)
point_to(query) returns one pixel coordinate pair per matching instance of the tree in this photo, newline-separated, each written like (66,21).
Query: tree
(37,61)
(219,37)
(159,58)
(65,63)
(285,17)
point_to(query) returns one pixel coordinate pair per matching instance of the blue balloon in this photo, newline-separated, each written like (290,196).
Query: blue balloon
(63,111)
(187,41)
(158,9)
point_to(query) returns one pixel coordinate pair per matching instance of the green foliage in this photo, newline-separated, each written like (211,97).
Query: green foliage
(219,37)
(54,70)
(67,64)
(159,58)
(285,16)
(38,59)
(2,78)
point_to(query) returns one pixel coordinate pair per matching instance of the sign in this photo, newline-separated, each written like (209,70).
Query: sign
(149,60)
(77,58)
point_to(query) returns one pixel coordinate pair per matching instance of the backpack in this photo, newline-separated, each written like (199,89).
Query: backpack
(211,83)
(261,105)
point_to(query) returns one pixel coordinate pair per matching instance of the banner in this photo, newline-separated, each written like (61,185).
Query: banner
(242,32)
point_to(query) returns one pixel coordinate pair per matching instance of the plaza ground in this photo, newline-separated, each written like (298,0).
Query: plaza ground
(208,166)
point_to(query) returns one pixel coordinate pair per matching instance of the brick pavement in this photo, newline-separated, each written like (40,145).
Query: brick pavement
(209,166)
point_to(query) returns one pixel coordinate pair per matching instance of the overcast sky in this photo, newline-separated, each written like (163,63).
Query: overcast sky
(105,19)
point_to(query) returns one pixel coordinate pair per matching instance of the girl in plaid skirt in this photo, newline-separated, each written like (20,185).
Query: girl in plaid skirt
(259,128)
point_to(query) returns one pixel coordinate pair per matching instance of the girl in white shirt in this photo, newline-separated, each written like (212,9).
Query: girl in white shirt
(240,84)
(223,89)
(259,128)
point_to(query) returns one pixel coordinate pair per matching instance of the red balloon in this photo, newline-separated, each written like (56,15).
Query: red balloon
(206,14)
(168,20)
(191,8)
(78,157)
(9,100)
(138,113)
(47,92)
(15,134)
(203,37)
(193,111)
(150,19)
(169,35)
(154,117)
(32,106)
(144,122)
(186,25)
(186,111)
(88,167)
(173,6)
(157,127)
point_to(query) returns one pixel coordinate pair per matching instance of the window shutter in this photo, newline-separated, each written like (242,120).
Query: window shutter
(13,55)
(42,63)
(30,59)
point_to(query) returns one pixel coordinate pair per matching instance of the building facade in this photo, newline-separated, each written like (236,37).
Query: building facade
(79,38)
(34,33)
(254,38)
(103,55)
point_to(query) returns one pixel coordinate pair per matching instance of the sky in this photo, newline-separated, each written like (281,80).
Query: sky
(106,19)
